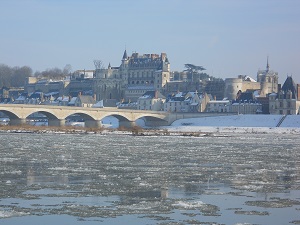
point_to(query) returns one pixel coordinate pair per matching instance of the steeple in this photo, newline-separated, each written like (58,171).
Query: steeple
(268,67)
(125,55)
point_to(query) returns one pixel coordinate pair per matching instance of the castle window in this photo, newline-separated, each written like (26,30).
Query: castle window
(132,82)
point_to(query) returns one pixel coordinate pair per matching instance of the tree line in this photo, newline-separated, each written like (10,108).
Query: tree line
(17,76)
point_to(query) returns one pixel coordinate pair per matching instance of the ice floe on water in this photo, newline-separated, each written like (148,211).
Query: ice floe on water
(233,179)
(8,214)
(188,205)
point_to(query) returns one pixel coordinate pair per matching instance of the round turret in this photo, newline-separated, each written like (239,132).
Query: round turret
(232,86)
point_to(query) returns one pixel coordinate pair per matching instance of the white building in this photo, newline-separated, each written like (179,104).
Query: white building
(218,106)
(187,102)
(151,100)
(246,108)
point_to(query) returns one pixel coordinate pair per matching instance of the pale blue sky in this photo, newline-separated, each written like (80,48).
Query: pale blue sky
(227,37)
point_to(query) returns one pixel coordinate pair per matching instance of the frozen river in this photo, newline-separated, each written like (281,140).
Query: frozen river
(122,179)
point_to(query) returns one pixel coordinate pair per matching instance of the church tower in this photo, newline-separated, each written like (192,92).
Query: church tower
(268,80)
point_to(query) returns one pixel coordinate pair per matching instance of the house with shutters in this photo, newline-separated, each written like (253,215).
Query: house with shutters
(287,100)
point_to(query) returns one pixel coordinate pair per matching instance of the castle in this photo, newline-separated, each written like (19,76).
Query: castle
(136,75)
(266,83)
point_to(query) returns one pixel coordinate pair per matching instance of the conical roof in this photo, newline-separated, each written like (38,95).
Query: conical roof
(125,54)
(289,85)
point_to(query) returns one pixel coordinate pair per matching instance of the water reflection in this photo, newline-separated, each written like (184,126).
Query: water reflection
(57,179)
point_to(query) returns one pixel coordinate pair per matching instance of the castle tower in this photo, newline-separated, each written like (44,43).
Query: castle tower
(268,80)
(124,66)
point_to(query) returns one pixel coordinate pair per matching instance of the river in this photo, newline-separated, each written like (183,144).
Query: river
(115,179)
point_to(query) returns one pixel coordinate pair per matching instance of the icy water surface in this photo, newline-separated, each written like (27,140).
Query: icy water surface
(123,179)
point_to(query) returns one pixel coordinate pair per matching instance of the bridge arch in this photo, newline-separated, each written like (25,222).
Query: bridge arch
(93,116)
(124,120)
(14,119)
(10,114)
(153,121)
(89,120)
(49,115)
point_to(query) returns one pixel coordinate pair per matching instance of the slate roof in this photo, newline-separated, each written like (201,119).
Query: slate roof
(289,85)
(151,95)
(86,99)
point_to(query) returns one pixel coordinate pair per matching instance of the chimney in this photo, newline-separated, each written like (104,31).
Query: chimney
(156,94)
(94,96)
(215,98)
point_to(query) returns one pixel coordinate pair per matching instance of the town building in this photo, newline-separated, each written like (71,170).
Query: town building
(186,102)
(219,106)
(151,100)
(246,108)
(84,101)
(33,84)
(287,100)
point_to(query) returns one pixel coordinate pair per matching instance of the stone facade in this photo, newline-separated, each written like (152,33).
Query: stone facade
(136,75)
(151,100)
(286,101)
(267,82)
(187,102)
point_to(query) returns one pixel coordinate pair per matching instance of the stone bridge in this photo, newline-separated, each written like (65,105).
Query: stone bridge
(57,115)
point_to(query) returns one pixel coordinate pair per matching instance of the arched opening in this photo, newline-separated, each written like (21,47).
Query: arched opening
(81,120)
(151,121)
(43,118)
(6,117)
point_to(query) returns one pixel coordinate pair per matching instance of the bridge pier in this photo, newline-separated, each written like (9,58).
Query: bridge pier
(93,123)
(56,122)
(127,124)
(17,122)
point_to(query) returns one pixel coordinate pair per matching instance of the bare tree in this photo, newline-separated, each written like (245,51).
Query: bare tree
(67,69)
(20,75)
(98,64)
(14,77)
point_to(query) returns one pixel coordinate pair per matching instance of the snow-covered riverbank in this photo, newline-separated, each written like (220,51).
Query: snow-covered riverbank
(191,127)
(239,124)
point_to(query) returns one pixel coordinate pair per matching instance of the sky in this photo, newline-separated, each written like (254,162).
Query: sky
(227,37)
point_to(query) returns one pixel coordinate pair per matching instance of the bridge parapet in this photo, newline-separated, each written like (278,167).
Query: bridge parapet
(57,114)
